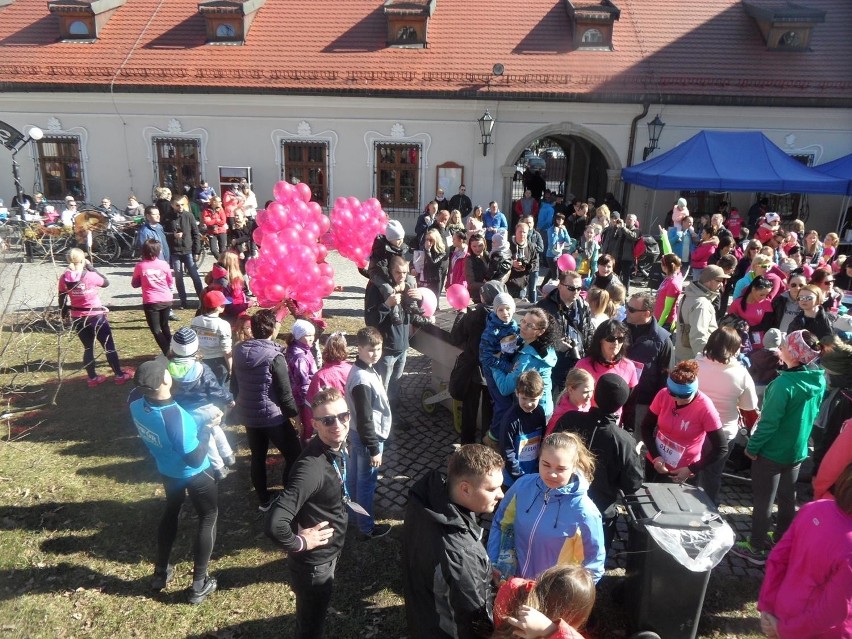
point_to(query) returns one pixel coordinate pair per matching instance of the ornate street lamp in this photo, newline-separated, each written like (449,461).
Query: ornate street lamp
(14,140)
(655,130)
(486,126)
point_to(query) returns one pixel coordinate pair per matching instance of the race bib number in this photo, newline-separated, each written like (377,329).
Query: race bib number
(528,449)
(670,451)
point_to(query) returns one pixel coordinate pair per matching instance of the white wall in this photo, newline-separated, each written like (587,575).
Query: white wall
(239,131)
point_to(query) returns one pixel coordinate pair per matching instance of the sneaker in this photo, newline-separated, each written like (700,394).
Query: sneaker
(125,377)
(196,596)
(379,530)
(173,317)
(97,381)
(230,460)
(745,550)
(162,578)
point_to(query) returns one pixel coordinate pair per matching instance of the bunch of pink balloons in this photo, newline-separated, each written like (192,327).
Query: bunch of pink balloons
(291,262)
(355,225)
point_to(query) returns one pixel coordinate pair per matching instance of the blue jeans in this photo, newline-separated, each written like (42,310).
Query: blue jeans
(390,368)
(181,263)
(361,480)
(501,402)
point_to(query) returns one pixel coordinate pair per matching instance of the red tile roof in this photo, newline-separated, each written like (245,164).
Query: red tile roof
(685,51)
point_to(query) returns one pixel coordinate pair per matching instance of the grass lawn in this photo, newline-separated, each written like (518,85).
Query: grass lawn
(80,501)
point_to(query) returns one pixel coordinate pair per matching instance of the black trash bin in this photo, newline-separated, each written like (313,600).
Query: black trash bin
(661,594)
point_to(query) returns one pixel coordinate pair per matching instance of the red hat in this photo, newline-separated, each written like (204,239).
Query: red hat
(215,299)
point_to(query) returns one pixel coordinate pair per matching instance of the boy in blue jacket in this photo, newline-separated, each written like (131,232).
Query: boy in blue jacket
(522,428)
(495,353)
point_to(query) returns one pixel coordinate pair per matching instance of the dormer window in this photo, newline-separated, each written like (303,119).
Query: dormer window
(408,22)
(784,26)
(82,20)
(228,21)
(592,23)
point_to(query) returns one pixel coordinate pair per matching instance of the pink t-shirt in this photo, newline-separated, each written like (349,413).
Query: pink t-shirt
(681,429)
(155,278)
(626,369)
(702,254)
(672,286)
(753,314)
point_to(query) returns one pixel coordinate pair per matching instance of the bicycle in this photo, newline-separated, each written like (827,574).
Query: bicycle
(46,242)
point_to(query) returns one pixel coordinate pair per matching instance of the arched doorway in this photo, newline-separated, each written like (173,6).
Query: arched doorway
(571,159)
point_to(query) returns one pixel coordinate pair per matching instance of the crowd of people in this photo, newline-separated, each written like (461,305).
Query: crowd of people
(594,391)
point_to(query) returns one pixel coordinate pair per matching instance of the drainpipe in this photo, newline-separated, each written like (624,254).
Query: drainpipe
(630,149)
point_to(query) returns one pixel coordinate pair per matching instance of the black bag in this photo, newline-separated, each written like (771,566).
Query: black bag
(459,379)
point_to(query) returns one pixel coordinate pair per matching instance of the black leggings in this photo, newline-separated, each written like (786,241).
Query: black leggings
(157,316)
(204,495)
(89,329)
(285,439)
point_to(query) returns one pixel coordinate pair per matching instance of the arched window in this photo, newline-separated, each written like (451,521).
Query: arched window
(592,36)
(78,28)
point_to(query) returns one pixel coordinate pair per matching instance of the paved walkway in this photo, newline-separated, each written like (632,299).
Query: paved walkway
(426,443)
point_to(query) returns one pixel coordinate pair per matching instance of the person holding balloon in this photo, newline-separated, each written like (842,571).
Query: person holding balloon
(476,266)
(557,240)
(435,261)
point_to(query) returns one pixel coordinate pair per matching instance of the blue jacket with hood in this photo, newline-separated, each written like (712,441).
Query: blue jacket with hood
(194,384)
(551,526)
(529,358)
(489,344)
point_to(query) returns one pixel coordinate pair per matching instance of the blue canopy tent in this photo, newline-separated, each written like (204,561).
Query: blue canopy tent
(841,168)
(731,161)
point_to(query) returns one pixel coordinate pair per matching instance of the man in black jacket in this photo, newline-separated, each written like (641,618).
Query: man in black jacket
(466,334)
(617,465)
(445,569)
(461,202)
(184,243)
(313,505)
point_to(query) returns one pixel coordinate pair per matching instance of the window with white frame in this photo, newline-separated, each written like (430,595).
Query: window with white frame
(307,162)
(398,176)
(178,162)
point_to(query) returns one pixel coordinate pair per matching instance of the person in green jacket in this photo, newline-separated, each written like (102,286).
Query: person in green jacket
(779,444)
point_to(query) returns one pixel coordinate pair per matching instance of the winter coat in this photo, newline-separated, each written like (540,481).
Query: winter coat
(696,321)
(215,221)
(301,367)
(575,326)
(790,407)
(808,577)
(261,385)
(489,346)
(190,242)
(194,384)
(550,526)
(466,334)
(681,243)
(475,274)
(446,574)
(617,465)
(147,232)
(618,241)
(530,358)
(822,325)
(369,404)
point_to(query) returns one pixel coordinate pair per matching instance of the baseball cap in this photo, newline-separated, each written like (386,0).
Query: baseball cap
(711,273)
(215,299)
(149,376)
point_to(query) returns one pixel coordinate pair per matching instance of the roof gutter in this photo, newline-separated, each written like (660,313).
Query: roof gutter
(631,147)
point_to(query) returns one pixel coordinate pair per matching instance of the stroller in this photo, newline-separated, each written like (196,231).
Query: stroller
(646,255)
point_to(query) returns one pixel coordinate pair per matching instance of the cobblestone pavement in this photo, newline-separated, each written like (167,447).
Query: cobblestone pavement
(429,439)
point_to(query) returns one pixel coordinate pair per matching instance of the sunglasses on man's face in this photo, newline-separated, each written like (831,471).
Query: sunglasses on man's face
(573,289)
(630,309)
(329,420)
(612,339)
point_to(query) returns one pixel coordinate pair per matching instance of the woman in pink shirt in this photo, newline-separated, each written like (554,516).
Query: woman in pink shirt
(755,307)
(665,308)
(79,289)
(154,277)
(606,354)
(807,590)
(679,419)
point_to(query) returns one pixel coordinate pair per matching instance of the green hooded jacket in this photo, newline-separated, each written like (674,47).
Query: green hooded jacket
(790,408)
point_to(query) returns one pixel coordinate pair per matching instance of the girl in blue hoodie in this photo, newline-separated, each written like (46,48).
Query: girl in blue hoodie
(495,353)
(548,519)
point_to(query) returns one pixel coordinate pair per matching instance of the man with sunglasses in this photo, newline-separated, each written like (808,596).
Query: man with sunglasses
(574,317)
(650,346)
(461,202)
(308,519)
(697,313)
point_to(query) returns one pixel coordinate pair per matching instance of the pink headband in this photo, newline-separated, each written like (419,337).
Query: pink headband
(799,349)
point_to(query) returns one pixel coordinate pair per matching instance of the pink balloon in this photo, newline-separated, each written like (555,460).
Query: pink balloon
(566,262)
(261,217)
(282,191)
(304,191)
(429,303)
(322,252)
(315,208)
(458,296)
(257,235)
(354,202)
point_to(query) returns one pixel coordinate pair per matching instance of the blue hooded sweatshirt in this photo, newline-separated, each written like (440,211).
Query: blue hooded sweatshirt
(530,359)
(489,344)
(551,526)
